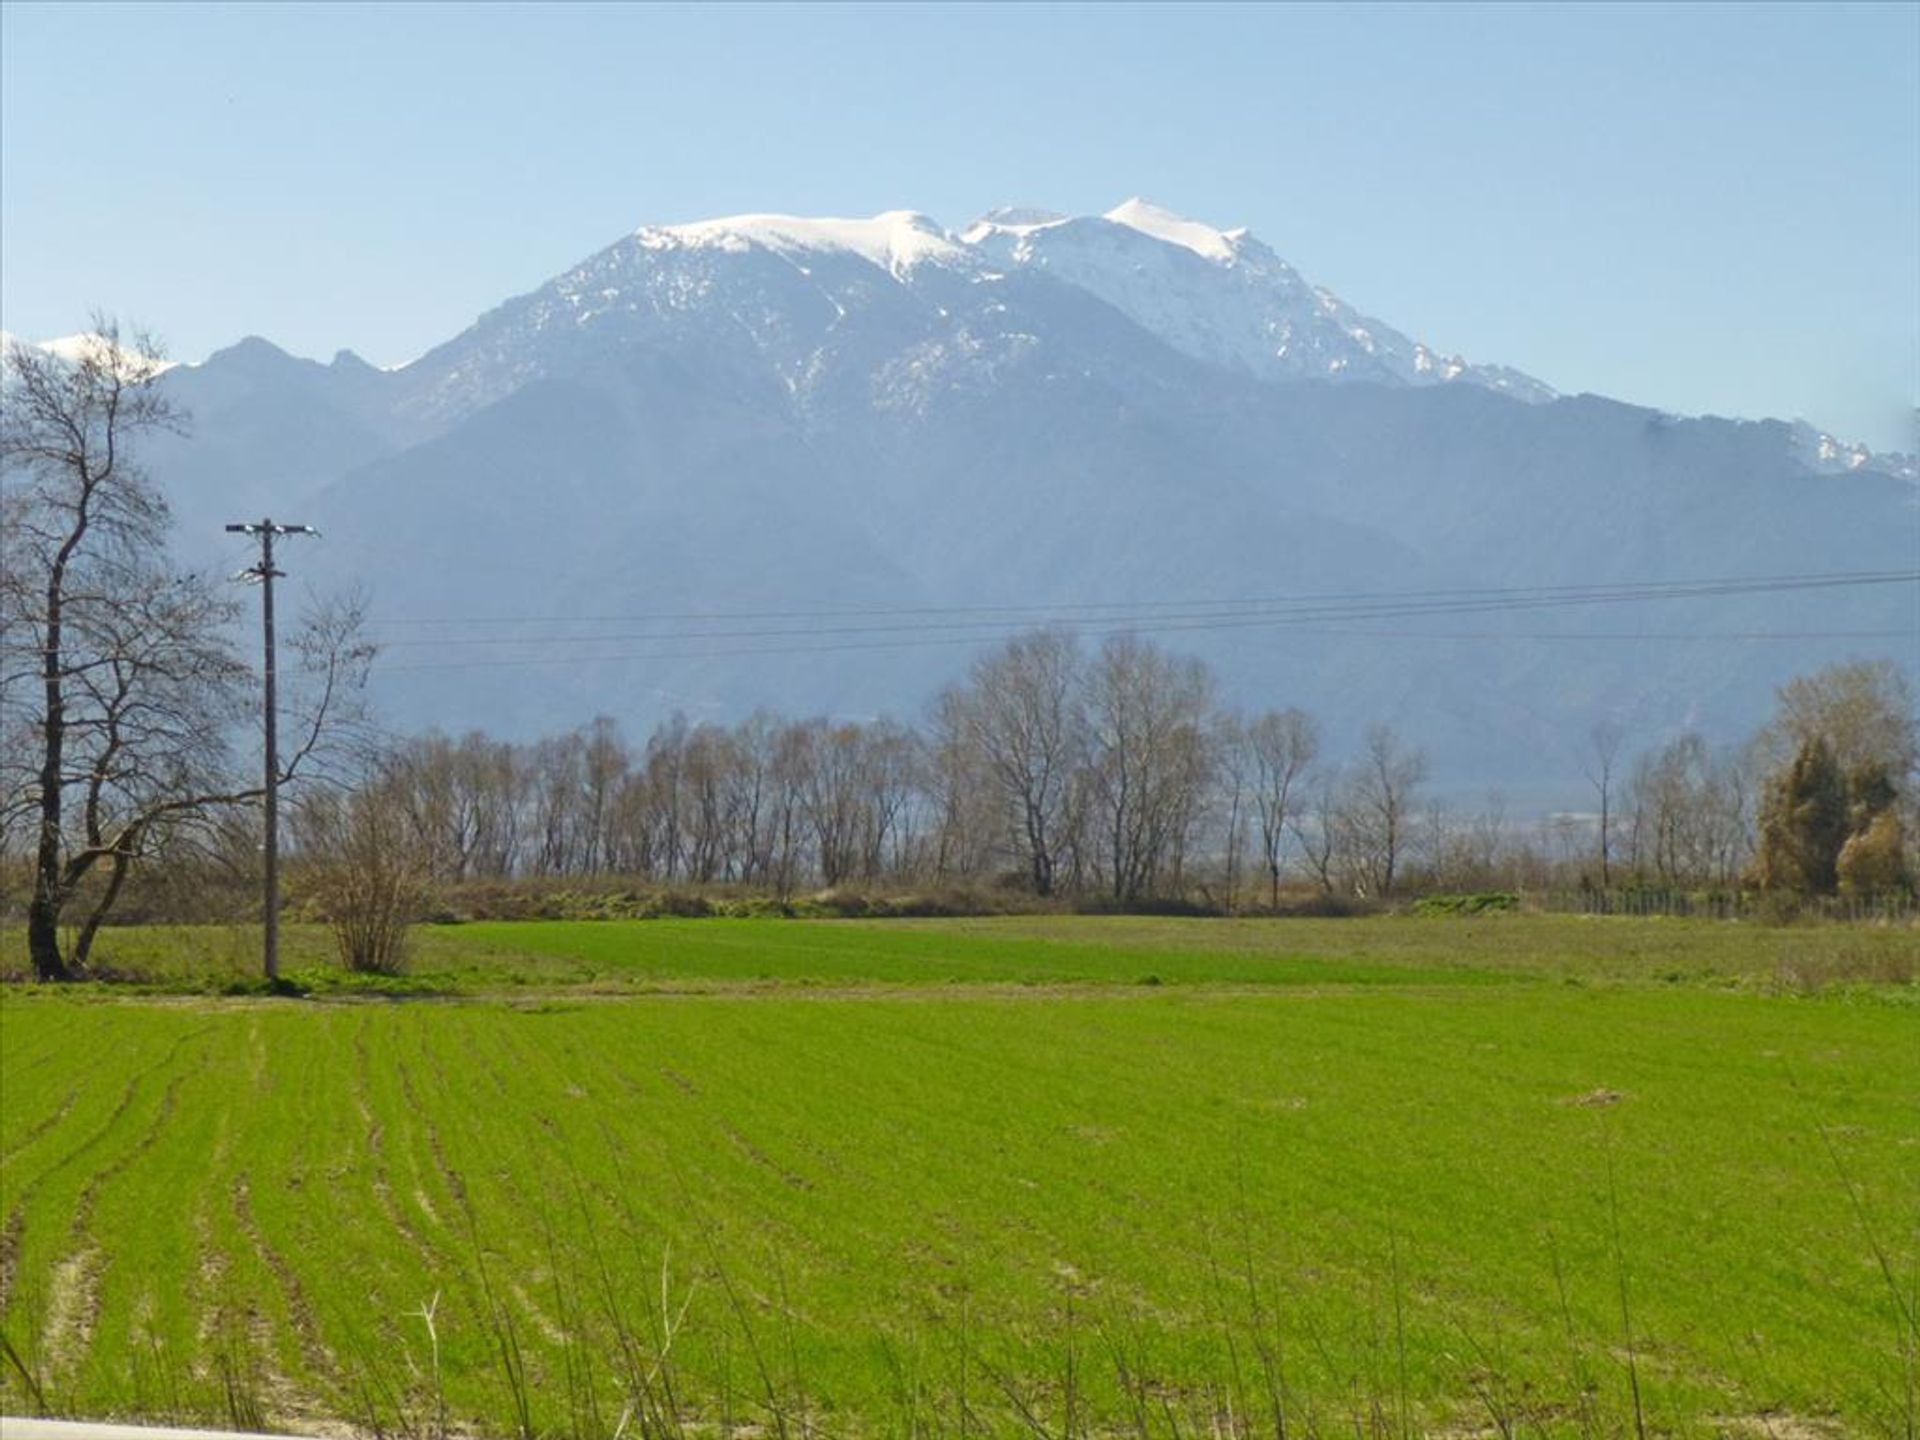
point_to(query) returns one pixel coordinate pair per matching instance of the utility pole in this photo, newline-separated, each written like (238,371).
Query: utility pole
(265,573)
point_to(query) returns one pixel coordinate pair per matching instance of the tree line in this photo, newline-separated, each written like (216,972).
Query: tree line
(1113,773)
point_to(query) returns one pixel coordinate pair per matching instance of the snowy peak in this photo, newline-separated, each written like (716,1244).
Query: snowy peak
(73,349)
(1223,297)
(1014,217)
(1162,224)
(1013,224)
(1826,455)
(855,304)
(895,240)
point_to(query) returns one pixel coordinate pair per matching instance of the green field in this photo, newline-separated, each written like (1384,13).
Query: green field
(1035,1176)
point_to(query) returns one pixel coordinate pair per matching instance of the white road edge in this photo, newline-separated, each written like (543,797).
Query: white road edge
(16,1429)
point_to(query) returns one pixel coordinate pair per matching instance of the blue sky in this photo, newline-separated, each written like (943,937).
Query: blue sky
(1710,209)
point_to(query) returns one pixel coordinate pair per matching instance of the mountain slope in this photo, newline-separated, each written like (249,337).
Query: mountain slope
(1223,296)
(862,424)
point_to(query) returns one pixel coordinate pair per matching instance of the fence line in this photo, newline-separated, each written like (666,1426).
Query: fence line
(1890,906)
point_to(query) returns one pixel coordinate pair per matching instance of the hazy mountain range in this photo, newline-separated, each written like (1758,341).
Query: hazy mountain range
(870,442)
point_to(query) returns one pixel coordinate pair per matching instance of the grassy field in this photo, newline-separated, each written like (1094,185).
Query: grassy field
(498,957)
(1036,1176)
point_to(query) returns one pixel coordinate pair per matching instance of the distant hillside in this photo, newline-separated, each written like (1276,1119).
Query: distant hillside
(864,425)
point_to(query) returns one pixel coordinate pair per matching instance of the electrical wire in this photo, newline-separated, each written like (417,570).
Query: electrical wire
(1445,636)
(1627,589)
(1280,613)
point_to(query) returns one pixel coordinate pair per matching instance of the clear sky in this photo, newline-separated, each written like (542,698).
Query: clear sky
(1709,209)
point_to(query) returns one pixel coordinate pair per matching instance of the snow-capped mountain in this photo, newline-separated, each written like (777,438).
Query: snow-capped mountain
(74,348)
(796,292)
(861,424)
(1224,297)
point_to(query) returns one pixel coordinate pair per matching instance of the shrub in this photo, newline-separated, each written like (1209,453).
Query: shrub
(1803,823)
(674,904)
(1174,906)
(1488,902)
(365,877)
(1873,861)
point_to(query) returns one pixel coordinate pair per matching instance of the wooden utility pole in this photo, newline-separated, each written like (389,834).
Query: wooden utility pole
(265,573)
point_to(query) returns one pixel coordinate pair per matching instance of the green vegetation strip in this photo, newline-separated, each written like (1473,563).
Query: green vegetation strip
(497,957)
(976,1207)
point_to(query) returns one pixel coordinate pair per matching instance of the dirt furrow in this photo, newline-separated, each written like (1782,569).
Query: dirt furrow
(41,1126)
(313,1349)
(13,1228)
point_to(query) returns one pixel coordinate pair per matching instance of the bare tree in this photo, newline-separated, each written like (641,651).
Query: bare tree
(1603,758)
(80,527)
(1466,851)
(965,809)
(753,797)
(1234,767)
(1691,812)
(135,688)
(1379,807)
(790,782)
(1863,709)
(893,774)
(1316,828)
(711,757)
(1150,763)
(1281,745)
(557,766)
(463,802)
(1019,714)
(604,763)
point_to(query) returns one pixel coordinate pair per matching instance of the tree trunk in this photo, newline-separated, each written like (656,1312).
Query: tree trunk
(43,914)
(83,943)
(1042,870)
(43,936)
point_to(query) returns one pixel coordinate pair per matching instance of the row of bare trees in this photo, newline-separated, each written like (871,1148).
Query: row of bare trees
(1111,773)
(1048,768)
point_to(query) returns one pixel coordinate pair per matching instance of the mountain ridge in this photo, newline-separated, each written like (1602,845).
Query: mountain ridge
(1313,333)
(785,415)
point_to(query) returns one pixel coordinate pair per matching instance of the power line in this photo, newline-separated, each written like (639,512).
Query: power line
(1173,616)
(914,644)
(1043,608)
(1293,616)
(1273,615)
